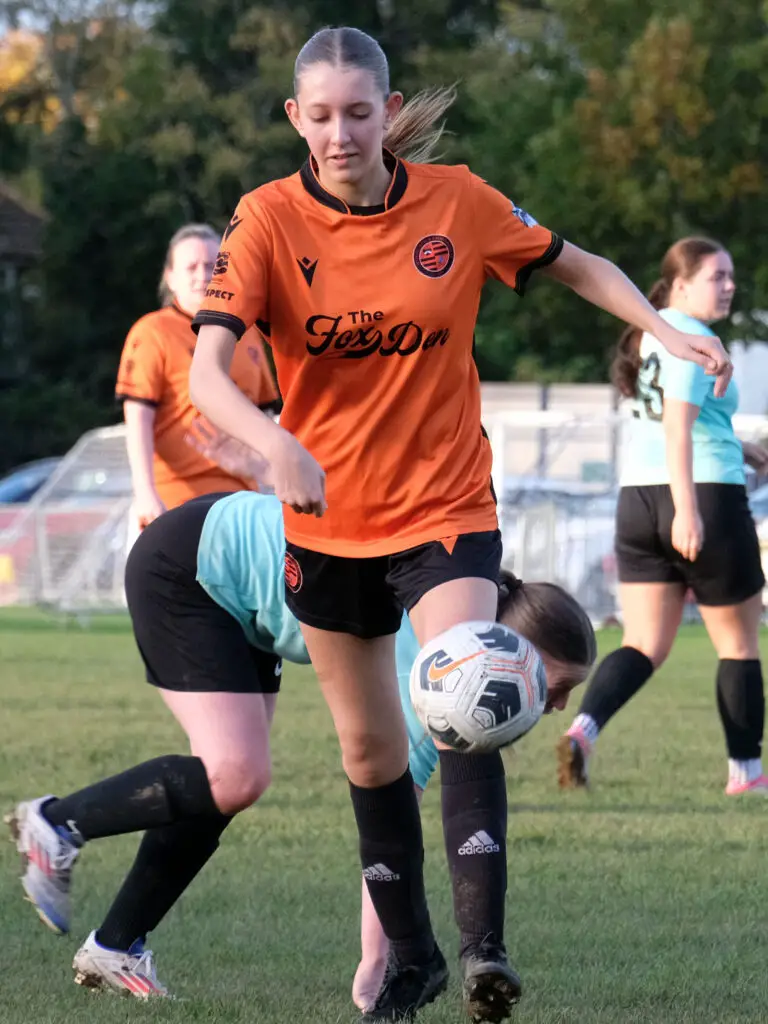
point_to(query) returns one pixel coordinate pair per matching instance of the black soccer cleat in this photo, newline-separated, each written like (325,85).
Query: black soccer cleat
(406,988)
(490,985)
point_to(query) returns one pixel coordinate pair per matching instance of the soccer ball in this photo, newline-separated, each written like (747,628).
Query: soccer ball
(478,686)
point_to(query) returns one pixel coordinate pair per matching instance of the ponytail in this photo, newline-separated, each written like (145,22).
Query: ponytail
(417,130)
(681,261)
(549,617)
(627,362)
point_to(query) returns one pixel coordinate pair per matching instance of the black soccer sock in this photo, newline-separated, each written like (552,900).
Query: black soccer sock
(474,802)
(741,703)
(150,795)
(392,856)
(615,683)
(168,859)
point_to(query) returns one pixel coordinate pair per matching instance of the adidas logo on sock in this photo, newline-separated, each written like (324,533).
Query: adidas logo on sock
(480,842)
(380,873)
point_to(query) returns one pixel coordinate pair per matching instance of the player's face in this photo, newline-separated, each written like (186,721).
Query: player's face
(708,294)
(562,677)
(190,272)
(343,115)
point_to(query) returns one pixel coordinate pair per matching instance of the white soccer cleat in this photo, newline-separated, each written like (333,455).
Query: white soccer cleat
(110,970)
(47,856)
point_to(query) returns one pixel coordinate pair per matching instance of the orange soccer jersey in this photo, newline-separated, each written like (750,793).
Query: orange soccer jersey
(154,369)
(371,313)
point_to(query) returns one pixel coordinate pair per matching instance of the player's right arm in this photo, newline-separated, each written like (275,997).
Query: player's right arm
(297,478)
(684,387)
(140,385)
(238,297)
(687,527)
(140,442)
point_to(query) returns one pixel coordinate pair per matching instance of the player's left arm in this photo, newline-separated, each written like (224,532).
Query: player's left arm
(756,456)
(603,284)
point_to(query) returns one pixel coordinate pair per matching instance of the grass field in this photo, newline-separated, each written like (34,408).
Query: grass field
(644,900)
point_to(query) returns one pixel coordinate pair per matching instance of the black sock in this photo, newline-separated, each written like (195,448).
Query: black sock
(150,795)
(474,800)
(392,856)
(616,681)
(169,858)
(741,703)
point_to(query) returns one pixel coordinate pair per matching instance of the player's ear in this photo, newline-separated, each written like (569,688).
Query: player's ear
(392,108)
(292,110)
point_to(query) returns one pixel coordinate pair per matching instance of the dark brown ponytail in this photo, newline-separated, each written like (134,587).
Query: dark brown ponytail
(627,362)
(682,260)
(549,617)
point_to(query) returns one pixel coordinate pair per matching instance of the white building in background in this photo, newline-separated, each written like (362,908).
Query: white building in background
(750,366)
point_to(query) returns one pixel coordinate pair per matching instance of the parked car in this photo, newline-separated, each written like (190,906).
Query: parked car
(38,545)
(22,483)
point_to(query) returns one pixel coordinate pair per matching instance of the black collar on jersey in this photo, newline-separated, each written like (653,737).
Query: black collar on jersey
(395,192)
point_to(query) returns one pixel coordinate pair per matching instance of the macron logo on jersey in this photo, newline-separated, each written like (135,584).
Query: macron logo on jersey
(380,873)
(308,268)
(480,842)
(233,224)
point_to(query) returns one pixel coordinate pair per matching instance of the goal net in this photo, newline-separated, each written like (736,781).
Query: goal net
(66,548)
(555,473)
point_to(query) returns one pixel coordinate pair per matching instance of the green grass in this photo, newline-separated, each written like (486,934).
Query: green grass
(644,900)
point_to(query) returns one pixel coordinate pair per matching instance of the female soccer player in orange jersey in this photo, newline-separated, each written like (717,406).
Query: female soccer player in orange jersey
(368,269)
(171,454)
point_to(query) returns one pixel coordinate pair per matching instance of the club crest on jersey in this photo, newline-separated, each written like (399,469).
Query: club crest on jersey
(434,256)
(293,574)
(221,266)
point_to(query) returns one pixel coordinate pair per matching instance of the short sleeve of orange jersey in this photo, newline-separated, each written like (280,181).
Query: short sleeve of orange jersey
(238,293)
(141,374)
(512,243)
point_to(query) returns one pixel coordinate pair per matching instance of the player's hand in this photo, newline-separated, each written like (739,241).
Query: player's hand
(687,533)
(755,456)
(298,479)
(705,350)
(147,507)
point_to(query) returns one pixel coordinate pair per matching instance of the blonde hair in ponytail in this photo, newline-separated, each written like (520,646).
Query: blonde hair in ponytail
(416,131)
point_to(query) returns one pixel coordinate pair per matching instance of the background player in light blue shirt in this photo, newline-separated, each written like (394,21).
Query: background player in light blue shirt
(683,523)
(717,455)
(205,589)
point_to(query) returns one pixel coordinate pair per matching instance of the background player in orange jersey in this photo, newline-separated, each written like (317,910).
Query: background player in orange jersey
(172,455)
(369,269)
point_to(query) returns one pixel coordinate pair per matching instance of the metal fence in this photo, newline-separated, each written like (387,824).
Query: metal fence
(554,471)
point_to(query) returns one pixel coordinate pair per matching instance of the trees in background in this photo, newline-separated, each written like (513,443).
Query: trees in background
(620,125)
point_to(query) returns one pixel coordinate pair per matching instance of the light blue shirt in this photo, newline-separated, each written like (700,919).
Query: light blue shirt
(717,453)
(240,564)
(422,752)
